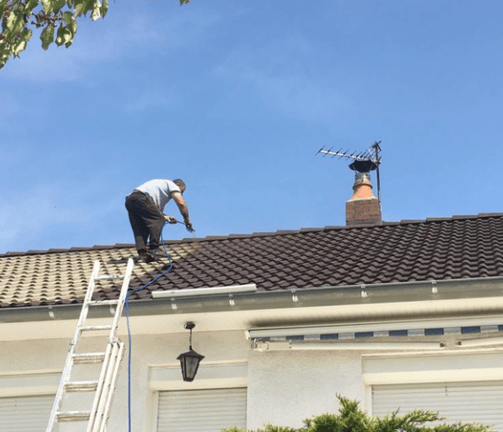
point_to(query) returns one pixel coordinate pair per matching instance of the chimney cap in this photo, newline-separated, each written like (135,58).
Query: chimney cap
(363,166)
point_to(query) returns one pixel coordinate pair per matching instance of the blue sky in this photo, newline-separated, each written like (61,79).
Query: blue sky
(236,97)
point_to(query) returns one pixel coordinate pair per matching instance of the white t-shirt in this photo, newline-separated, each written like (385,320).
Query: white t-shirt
(159,191)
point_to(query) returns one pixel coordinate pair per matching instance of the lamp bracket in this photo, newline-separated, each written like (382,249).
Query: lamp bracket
(189,325)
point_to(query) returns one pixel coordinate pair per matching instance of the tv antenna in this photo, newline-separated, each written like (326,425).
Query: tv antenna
(363,162)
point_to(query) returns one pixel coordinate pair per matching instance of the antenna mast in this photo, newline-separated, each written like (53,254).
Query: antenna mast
(363,162)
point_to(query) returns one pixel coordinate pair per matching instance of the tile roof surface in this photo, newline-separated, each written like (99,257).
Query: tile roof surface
(450,248)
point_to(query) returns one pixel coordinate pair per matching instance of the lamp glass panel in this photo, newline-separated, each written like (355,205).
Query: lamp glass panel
(191,365)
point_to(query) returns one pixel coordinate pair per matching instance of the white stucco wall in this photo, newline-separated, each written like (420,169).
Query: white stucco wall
(284,387)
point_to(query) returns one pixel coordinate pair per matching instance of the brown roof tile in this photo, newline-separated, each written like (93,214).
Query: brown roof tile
(436,248)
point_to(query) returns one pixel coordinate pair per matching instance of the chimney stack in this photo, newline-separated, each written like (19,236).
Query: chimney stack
(363,207)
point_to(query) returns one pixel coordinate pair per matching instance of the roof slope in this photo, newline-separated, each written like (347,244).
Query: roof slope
(458,247)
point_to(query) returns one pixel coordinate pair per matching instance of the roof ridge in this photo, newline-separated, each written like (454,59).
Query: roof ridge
(235,236)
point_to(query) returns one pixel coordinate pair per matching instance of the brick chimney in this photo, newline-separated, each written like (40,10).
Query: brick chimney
(363,207)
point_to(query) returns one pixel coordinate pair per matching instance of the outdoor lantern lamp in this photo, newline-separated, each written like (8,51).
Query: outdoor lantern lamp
(189,360)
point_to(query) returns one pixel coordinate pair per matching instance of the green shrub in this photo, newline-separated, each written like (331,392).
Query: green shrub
(267,428)
(352,419)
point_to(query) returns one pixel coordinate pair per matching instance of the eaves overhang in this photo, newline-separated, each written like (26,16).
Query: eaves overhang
(454,296)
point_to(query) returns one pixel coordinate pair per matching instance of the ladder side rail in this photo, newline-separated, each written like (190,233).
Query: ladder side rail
(99,390)
(113,384)
(69,358)
(122,299)
(87,299)
(65,375)
(106,388)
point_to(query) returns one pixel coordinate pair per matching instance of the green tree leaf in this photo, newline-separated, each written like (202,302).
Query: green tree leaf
(69,18)
(83,6)
(48,6)
(57,5)
(3,5)
(15,20)
(96,15)
(23,39)
(64,36)
(47,36)
(30,5)
(16,17)
(104,8)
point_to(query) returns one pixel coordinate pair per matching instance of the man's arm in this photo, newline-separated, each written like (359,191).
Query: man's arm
(184,209)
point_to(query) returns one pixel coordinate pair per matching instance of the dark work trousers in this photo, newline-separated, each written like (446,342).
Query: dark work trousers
(146,220)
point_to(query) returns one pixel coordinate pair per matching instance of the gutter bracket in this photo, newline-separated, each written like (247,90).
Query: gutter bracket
(295,299)
(173,304)
(434,289)
(232,303)
(363,291)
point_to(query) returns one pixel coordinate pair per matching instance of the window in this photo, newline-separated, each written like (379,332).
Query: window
(201,410)
(25,413)
(478,401)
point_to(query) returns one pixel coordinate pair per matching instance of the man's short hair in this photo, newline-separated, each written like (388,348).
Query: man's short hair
(180,183)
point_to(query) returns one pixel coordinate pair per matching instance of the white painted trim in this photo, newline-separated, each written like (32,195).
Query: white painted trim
(209,376)
(447,352)
(494,374)
(152,407)
(29,384)
(433,368)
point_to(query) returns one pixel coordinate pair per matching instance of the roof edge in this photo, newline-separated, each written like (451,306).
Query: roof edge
(341,296)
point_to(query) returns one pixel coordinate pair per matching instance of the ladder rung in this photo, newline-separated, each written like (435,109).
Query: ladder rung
(73,415)
(103,302)
(92,328)
(109,277)
(89,357)
(81,386)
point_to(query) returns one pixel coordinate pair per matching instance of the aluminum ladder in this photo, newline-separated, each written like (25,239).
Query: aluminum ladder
(104,386)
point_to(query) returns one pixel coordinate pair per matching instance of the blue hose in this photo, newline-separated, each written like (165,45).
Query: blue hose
(129,330)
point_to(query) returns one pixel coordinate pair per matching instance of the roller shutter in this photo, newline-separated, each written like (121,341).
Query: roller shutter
(25,414)
(480,402)
(201,410)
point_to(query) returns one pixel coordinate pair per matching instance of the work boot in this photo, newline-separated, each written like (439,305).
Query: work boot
(157,253)
(145,257)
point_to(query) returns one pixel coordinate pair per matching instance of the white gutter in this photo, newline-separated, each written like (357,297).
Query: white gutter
(370,302)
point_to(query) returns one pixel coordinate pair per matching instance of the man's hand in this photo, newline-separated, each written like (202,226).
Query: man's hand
(170,219)
(188,226)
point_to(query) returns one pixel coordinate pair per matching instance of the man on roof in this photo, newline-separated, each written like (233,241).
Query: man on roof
(145,206)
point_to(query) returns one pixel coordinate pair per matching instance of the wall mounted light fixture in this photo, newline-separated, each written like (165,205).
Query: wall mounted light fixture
(189,360)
